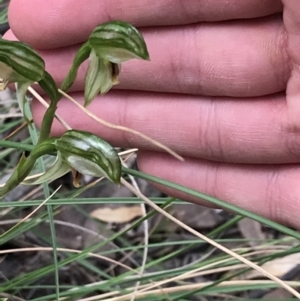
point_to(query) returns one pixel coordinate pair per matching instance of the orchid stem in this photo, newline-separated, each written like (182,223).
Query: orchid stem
(26,164)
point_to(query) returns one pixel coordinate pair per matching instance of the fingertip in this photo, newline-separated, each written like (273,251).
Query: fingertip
(40,23)
(244,186)
(165,167)
(23,18)
(60,23)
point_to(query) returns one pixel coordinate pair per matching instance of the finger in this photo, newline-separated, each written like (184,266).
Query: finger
(292,25)
(67,22)
(242,58)
(231,130)
(271,191)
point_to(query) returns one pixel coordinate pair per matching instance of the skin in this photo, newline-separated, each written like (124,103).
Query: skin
(225,95)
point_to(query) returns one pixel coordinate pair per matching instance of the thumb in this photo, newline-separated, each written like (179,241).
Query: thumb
(291,19)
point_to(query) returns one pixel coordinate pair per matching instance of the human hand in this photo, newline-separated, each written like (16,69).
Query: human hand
(213,92)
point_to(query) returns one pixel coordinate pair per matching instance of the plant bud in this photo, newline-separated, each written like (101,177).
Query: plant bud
(89,155)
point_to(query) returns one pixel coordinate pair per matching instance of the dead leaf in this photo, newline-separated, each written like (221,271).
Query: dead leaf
(197,216)
(279,293)
(124,214)
(97,234)
(252,231)
(277,267)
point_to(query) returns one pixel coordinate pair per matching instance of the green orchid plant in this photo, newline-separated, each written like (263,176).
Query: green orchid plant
(109,45)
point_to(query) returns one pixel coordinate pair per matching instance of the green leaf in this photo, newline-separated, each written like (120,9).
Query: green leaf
(21,163)
(81,55)
(57,170)
(118,41)
(90,155)
(19,62)
(25,165)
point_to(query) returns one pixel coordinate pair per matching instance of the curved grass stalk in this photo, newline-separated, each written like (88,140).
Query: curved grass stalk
(122,128)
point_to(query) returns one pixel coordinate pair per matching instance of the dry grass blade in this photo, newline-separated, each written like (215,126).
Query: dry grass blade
(16,131)
(122,128)
(183,288)
(11,115)
(7,297)
(49,249)
(35,210)
(22,199)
